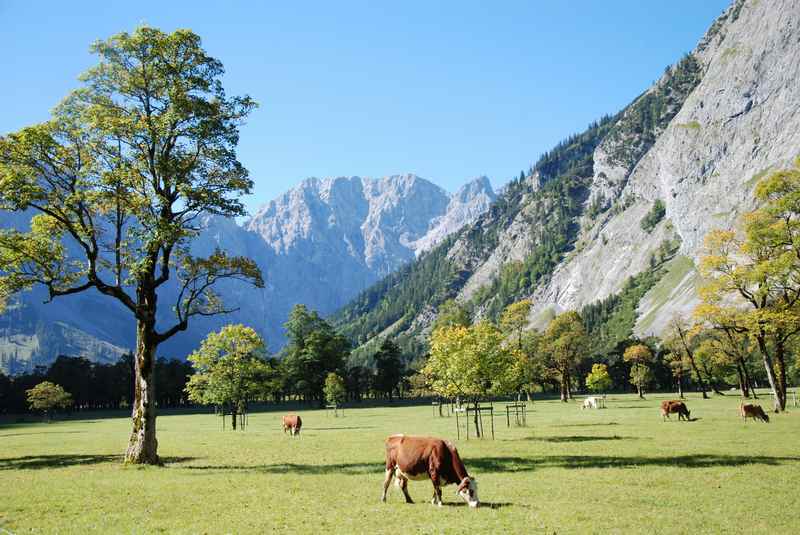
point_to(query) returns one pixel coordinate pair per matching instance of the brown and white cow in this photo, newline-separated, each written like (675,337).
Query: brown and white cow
(292,423)
(753,411)
(674,406)
(419,458)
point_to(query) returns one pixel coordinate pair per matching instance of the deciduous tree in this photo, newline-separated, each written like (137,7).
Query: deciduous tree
(335,390)
(760,268)
(565,342)
(47,396)
(640,357)
(514,319)
(469,362)
(598,380)
(230,370)
(119,179)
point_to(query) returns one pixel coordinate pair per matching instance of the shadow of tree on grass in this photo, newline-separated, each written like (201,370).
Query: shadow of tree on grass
(304,469)
(37,462)
(523,464)
(517,464)
(599,424)
(575,438)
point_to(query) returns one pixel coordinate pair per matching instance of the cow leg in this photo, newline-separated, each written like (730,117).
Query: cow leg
(437,490)
(404,487)
(386,482)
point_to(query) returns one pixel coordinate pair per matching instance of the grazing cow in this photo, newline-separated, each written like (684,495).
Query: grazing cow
(674,406)
(753,411)
(417,458)
(590,403)
(292,423)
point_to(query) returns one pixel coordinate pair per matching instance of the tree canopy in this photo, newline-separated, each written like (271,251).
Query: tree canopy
(565,342)
(230,369)
(759,269)
(314,350)
(118,180)
(47,396)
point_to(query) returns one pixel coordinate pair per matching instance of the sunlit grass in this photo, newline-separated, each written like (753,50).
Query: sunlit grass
(570,471)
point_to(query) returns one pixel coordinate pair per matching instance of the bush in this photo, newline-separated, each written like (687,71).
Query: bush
(654,216)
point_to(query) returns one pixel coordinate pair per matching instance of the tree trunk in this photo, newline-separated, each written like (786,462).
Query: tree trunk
(564,387)
(697,374)
(680,387)
(639,391)
(234,413)
(743,386)
(780,364)
(477,427)
(750,381)
(143,446)
(773,383)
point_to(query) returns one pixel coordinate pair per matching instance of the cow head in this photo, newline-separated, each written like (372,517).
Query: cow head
(468,490)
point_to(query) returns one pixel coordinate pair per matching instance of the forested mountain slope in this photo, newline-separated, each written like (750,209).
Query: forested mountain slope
(633,194)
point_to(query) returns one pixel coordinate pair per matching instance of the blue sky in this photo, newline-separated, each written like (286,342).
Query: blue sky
(446,90)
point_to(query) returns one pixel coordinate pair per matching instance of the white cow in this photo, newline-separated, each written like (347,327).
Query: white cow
(590,403)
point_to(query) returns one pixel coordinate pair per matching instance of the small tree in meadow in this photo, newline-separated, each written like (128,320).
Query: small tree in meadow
(47,396)
(679,368)
(565,341)
(598,380)
(334,389)
(469,362)
(230,370)
(640,357)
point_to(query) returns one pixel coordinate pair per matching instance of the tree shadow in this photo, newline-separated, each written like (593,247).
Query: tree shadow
(304,469)
(40,433)
(587,425)
(575,438)
(37,462)
(527,464)
(337,428)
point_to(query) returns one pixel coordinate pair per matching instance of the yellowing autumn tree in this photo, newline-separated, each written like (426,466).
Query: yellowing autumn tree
(640,357)
(759,269)
(514,319)
(469,362)
(564,343)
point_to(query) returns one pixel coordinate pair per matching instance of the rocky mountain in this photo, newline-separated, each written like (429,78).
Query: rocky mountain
(320,244)
(622,208)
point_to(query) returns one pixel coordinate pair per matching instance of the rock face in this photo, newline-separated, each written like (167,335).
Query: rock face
(319,243)
(742,119)
(697,141)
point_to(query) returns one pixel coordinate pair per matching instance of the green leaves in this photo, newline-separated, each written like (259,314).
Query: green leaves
(121,174)
(334,389)
(598,379)
(230,368)
(469,362)
(47,396)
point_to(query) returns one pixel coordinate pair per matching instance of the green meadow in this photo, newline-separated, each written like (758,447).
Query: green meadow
(614,470)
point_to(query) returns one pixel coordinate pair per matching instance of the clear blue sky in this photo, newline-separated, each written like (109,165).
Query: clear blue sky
(446,90)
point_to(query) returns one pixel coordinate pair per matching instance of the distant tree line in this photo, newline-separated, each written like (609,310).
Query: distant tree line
(95,385)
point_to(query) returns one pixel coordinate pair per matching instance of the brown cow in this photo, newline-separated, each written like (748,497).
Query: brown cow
(292,423)
(417,458)
(753,411)
(674,406)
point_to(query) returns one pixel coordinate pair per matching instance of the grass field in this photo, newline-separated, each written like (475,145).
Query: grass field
(617,470)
